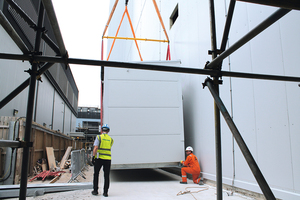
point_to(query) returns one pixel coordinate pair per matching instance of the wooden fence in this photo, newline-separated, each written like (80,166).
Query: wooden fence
(41,137)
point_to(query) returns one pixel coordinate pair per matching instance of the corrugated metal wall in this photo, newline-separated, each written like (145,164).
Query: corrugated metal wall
(57,95)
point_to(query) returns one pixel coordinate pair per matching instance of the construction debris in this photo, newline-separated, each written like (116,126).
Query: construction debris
(65,157)
(46,174)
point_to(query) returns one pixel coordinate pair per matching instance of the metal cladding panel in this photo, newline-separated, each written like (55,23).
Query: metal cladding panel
(67,120)
(262,109)
(129,149)
(144,111)
(290,43)
(11,76)
(45,99)
(143,94)
(58,113)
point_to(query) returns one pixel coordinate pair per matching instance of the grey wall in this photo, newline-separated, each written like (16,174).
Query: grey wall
(49,106)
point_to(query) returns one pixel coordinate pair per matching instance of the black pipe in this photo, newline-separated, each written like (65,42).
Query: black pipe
(288,4)
(240,141)
(261,27)
(218,142)
(21,87)
(19,10)
(14,93)
(227,25)
(153,67)
(29,114)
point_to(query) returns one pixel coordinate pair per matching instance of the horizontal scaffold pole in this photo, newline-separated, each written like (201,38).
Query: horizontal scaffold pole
(127,38)
(130,65)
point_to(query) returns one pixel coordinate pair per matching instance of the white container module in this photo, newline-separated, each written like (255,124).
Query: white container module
(144,111)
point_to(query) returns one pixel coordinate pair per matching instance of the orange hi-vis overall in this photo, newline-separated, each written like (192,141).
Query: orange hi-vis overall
(191,166)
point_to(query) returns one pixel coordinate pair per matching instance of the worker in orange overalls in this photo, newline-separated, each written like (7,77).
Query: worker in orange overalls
(190,166)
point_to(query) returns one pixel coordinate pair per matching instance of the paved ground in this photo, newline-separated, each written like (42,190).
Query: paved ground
(141,184)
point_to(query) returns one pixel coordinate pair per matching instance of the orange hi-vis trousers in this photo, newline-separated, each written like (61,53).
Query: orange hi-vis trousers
(189,170)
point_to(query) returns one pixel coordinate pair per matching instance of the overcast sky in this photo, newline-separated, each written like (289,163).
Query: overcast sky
(82,24)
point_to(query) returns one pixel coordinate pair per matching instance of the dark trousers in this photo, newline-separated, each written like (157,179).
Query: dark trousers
(106,168)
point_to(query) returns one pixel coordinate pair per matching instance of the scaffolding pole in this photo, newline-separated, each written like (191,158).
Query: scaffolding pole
(288,4)
(261,27)
(143,66)
(30,104)
(240,141)
(218,142)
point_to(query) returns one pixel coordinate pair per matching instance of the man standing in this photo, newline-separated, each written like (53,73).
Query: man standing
(102,157)
(191,166)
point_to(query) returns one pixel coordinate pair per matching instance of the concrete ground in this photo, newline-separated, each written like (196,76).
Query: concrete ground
(141,184)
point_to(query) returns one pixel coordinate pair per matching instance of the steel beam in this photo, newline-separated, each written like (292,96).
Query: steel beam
(10,143)
(288,4)
(240,141)
(227,25)
(152,67)
(30,105)
(261,27)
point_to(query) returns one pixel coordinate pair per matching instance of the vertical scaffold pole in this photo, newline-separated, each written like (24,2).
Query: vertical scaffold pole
(29,114)
(218,146)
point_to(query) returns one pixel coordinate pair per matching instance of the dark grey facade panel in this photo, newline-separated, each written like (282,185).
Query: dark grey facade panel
(59,75)
(30,11)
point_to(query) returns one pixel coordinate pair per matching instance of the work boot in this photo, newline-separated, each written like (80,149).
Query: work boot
(105,194)
(181,182)
(94,192)
(201,182)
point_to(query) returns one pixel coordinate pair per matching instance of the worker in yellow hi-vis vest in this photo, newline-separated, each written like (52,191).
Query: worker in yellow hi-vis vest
(102,157)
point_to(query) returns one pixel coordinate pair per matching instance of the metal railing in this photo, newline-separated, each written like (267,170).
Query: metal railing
(79,161)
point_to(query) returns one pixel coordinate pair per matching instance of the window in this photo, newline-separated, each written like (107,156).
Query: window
(174,16)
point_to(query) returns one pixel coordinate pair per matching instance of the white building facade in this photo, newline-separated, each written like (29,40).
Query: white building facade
(267,113)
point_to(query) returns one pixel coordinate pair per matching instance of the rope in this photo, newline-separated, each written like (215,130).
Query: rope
(191,192)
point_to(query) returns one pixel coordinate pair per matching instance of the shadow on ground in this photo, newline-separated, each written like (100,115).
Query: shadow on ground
(133,175)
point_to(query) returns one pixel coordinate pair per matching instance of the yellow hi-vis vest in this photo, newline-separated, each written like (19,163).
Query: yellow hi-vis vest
(104,148)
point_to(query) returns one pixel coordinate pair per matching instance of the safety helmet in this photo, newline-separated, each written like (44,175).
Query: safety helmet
(189,148)
(105,127)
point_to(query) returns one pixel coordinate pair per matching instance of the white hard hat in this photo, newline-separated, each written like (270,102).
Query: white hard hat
(189,148)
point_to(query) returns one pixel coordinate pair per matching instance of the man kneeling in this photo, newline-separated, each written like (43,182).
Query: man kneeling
(190,166)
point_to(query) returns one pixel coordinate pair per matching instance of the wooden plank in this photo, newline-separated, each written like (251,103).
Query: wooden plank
(66,156)
(51,158)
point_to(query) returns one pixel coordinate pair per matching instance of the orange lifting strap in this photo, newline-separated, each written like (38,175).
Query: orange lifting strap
(134,37)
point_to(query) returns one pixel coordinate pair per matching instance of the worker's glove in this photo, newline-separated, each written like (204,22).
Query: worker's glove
(93,160)
(181,161)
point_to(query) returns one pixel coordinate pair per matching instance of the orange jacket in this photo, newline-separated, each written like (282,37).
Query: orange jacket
(192,161)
